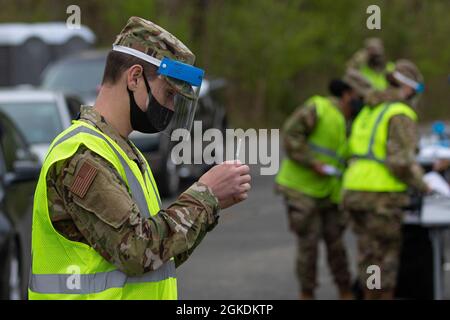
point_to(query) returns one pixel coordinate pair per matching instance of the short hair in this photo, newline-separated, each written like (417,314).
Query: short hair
(118,62)
(337,87)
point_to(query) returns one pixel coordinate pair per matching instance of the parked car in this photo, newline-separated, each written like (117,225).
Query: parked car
(40,115)
(65,76)
(27,48)
(19,169)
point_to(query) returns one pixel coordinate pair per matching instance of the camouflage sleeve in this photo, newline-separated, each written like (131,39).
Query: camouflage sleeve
(375,97)
(191,197)
(110,220)
(401,152)
(357,60)
(296,130)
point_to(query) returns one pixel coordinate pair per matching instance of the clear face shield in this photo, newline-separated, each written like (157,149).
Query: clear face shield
(185,81)
(418,87)
(175,92)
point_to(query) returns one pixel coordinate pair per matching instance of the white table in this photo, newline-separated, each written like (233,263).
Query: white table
(435,216)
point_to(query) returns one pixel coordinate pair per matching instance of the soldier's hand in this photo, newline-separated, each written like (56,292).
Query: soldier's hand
(319,168)
(229,181)
(441,165)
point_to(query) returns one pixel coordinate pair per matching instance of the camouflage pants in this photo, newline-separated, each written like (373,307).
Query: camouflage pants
(311,220)
(377,222)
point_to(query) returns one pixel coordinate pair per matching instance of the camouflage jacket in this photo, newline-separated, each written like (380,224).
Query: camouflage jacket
(359,59)
(108,219)
(296,131)
(402,143)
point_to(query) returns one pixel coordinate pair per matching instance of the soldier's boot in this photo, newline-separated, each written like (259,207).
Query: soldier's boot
(307,295)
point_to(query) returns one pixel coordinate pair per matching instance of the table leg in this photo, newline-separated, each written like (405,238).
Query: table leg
(435,234)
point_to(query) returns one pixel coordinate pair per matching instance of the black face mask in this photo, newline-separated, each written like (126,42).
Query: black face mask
(411,96)
(392,82)
(155,119)
(375,61)
(356,104)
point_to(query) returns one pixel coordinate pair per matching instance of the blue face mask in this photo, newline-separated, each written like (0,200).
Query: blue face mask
(155,119)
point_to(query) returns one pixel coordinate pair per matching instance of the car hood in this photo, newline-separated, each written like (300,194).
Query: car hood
(40,150)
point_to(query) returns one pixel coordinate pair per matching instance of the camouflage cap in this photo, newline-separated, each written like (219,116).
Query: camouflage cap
(151,39)
(374,46)
(357,82)
(409,70)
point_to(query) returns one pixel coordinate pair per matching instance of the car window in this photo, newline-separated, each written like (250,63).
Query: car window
(38,122)
(77,77)
(12,144)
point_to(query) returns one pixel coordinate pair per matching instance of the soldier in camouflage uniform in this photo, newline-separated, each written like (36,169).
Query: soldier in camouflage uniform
(313,211)
(377,216)
(121,236)
(372,64)
(107,217)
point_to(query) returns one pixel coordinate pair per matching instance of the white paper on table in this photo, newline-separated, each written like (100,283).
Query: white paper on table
(437,183)
(330,170)
(434,152)
(435,210)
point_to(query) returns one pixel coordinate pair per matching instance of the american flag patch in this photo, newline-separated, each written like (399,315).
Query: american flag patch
(83,179)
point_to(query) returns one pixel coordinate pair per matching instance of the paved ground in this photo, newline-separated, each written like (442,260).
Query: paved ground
(250,254)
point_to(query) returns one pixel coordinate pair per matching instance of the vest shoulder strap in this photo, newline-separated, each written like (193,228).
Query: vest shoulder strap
(319,103)
(134,185)
(323,105)
(370,152)
(398,108)
(389,109)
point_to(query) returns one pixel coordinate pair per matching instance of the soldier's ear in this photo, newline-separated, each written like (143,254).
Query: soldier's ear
(134,73)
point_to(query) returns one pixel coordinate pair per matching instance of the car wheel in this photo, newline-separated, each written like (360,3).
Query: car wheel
(11,281)
(169,181)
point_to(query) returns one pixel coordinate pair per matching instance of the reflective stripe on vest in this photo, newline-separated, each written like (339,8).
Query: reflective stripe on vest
(44,284)
(328,152)
(368,149)
(95,283)
(370,154)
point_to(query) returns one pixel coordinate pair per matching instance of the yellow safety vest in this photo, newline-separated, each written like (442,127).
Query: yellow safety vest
(367,146)
(327,142)
(64,269)
(377,79)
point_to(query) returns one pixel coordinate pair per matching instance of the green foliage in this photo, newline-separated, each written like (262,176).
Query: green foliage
(276,53)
